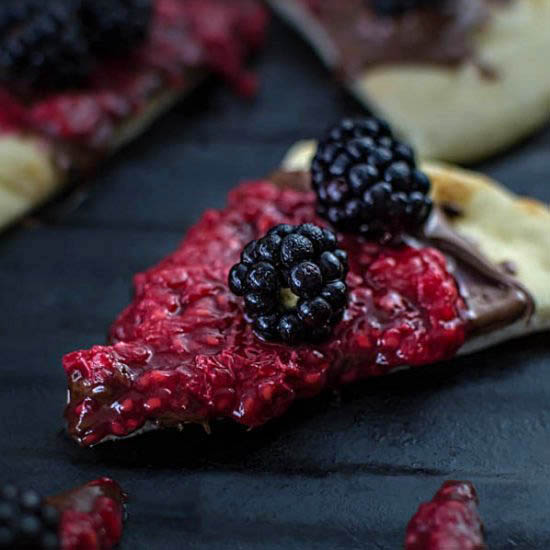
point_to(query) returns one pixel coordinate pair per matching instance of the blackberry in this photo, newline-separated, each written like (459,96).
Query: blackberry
(42,44)
(398,7)
(367,182)
(115,26)
(293,283)
(26,522)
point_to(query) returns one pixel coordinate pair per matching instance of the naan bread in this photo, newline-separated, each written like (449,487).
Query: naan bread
(458,114)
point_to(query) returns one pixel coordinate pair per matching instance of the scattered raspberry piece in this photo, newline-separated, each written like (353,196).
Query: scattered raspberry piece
(450,521)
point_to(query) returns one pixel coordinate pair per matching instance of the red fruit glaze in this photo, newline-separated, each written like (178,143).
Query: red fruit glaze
(182,351)
(91,515)
(188,38)
(450,521)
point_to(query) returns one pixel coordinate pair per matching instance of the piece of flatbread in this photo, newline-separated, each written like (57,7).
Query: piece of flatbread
(505,227)
(458,114)
(34,165)
(30,174)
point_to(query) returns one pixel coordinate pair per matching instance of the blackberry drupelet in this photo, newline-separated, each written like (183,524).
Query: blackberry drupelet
(397,7)
(26,522)
(367,182)
(293,283)
(115,26)
(42,44)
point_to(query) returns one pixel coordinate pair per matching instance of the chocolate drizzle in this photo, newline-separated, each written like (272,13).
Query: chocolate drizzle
(441,34)
(493,297)
(82,499)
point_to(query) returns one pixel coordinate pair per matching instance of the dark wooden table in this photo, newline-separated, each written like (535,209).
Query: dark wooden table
(344,471)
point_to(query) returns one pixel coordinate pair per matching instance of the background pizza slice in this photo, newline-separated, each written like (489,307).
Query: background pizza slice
(52,132)
(460,80)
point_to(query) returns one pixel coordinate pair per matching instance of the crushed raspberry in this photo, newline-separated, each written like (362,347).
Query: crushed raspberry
(450,521)
(12,114)
(182,351)
(91,515)
(188,38)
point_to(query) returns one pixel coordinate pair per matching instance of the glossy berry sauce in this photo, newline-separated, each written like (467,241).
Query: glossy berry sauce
(183,352)
(91,516)
(188,39)
(450,521)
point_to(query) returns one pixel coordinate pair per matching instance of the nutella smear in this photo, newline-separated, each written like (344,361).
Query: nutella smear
(441,34)
(493,297)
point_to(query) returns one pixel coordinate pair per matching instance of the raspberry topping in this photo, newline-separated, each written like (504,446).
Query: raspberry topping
(187,39)
(367,182)
(91,516)
(293,283)
(450,521)
(183,351)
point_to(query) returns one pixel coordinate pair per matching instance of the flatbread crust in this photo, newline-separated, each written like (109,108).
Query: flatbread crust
(30,174)
(458,114)
(505,227)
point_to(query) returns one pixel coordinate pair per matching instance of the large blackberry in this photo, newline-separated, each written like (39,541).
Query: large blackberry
(114,26)
(367,182)
(397,7)
(293,283)
(26,522)
(42,44)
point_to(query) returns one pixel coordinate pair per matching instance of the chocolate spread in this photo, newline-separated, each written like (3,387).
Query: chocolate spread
(441,34)
(494,299)
(83,498)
